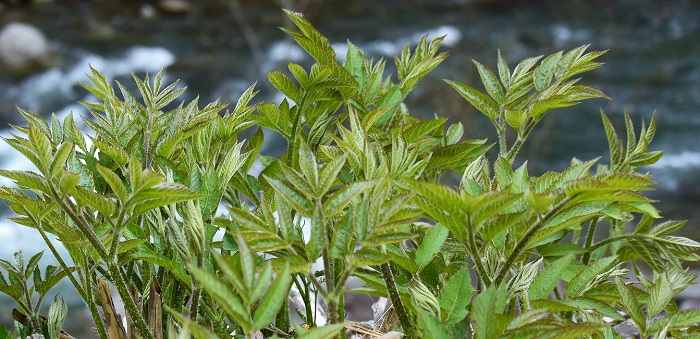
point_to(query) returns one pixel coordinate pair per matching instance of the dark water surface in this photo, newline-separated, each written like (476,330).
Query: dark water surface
(653,64)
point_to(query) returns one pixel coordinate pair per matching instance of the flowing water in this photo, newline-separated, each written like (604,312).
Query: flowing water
(653,64)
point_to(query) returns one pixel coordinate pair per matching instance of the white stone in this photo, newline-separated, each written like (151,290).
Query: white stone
(24,49)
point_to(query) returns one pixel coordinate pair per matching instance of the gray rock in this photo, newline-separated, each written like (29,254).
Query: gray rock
(627,329)
(24,50)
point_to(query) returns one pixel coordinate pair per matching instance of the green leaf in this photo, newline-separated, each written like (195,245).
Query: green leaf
(367,257)
(59,160)
(300,183)
(355,63)
(578,283)
(291,196)
(27,179)
(41,145)
(490,81)
(224,296)
(632,306)
(659,295)
(483,313)
(681,319)
(308,165)
(415,132)
(318,236)
(57,315)
(431,327)
(329,173)
(247,263)
(547,279)
(545,71)
(431,245)
(273,300)
(341,198)
(114,182)
(191,327)
(503,70)
(285,85)
(480,101)
(341,240)
(164,193)
(52,275)
(158,259)
(456,296)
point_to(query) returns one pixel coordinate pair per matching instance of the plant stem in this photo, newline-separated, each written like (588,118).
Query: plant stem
(396,301)
(330,296)
(610,240)
(475,255)
(519,142)
(589,240)
(500,124)
(87,297)
(131,309)
(84,227)
(520,246)
(194,305)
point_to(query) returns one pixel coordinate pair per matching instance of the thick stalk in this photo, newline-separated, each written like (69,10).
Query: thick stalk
(194,306)
(196,292)
(339,279)
(396,302)
(131,309)
(92,306)
(331,298)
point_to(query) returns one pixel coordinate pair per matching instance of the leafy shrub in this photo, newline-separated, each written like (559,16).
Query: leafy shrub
(502,254)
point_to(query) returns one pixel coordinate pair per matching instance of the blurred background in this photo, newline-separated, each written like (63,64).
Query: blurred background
(217,48)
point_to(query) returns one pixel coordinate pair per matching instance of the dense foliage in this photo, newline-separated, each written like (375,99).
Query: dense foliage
(138,202)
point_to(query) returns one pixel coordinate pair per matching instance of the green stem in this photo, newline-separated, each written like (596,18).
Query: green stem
(589,240)
(87,297)
(60,260)
(129,305)
(84,227)
(396,301)
(609,240)
(305,295)
(292,151)
(520,246)
(471,243)
(92,306)
(194,306)
(519,142)
(500,124)
(330,296)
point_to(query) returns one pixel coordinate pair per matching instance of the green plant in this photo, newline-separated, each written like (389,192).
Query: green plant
(136,206)
(27,317)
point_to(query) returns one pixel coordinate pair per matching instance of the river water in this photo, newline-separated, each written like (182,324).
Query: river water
(653,64)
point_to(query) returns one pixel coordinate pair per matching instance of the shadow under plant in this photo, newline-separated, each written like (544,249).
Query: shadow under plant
(502,254)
